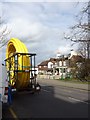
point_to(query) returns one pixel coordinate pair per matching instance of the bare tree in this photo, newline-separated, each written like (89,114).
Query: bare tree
(80,33)
(3,34)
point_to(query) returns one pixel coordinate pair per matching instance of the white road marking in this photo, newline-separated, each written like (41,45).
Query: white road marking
(78,100)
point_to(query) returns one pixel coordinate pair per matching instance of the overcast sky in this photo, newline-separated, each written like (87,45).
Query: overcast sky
(40,25)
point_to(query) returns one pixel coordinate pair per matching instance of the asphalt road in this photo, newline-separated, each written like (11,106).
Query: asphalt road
(52,102)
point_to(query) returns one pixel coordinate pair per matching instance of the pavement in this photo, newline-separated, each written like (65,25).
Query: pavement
(0,108)
(64,83)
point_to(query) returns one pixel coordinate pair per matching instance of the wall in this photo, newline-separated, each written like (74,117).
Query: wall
(50,65)
(48,76)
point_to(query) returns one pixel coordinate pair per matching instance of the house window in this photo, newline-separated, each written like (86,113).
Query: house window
(39,66)
(45,66)
(60,63)
(51,66)
(64,63)
(64,70)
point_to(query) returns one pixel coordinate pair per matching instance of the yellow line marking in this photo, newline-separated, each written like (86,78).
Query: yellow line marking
(13,113)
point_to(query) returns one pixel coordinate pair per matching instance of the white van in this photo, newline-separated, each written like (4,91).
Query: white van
(3,84)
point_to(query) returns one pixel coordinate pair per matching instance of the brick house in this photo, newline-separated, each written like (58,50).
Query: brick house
(46,67)
(62,66)
(43,67)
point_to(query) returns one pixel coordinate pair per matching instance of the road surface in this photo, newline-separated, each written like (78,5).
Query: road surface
(0,108)
(54,101)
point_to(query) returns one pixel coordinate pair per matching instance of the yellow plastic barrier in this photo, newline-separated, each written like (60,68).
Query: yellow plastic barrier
(15,45)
